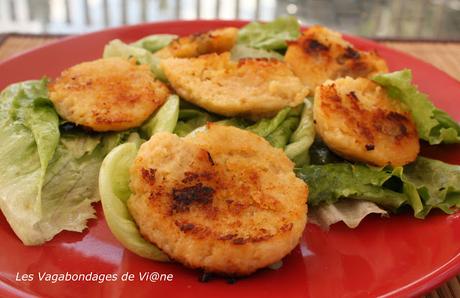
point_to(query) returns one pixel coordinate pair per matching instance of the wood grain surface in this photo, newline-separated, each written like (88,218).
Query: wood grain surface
(445,56)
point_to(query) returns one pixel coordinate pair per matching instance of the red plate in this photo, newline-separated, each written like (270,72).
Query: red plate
(397,256)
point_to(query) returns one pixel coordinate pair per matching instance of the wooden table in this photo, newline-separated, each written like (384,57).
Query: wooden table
(444,56)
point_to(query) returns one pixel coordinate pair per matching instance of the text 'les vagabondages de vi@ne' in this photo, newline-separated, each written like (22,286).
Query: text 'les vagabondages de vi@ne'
(94,277)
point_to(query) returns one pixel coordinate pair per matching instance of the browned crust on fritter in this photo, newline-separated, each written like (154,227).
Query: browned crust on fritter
(214,41)
(380,131)
(250,87)
(218,206)
(321,54)
(107,94)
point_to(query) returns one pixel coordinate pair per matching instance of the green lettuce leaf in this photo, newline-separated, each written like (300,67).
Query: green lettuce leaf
(433,125)
(437,185)
(153,43)
(70,185)
(47,183)
(114,191)
(266,126)
(270,36)
(117,48)
(165,119)
(302,138)
(23,159)
(423,185)
(280,136)
(191,119)
(290,128)
(241,51)
(330,182)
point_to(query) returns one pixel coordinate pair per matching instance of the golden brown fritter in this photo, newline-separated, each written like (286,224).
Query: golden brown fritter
(107,94)
(223,200)
(321,54)
(359,121)
(215,41)
(250,87)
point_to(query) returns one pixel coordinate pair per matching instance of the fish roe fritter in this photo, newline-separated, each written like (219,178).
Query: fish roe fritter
(215,41)
(254,87)
(110,94)
(321,54)
(359,121)
(223,200)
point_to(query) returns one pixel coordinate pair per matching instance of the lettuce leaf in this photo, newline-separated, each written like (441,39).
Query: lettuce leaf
(276,130)
(47,183)
(266,126)
(241,51)
(165,119)
(351,212)
(114,191)
(280,136)
(290,129)
(117,48)
(269,36)
(423,185)
(433,125)
(302,138)
(191,118)
(437,185)
(114,184)
(153,43)
(70,185)
(330,182)
(24,160)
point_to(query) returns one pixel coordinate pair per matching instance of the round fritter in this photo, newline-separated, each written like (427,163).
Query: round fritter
(110,94)
(321,54)
(359,121)
(250,87)
(223,200)
(215,41)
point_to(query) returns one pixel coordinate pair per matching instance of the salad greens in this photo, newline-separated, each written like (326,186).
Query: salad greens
(436,183)
(50,174)
(190,118)
(240,51)
(114,184)
(302,138)
(114,173)
(433,125)
(48,178)
(330,182)
(114,190)
(351,212)
(423,185)
(290,129)
(267,126)
(153,43)
(270,36)
(164,119)
(117,48)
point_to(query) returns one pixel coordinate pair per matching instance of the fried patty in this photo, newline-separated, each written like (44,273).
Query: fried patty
(223,200)
(359,121)
(215,41)
(110,94)
(321,54)
(250,87)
